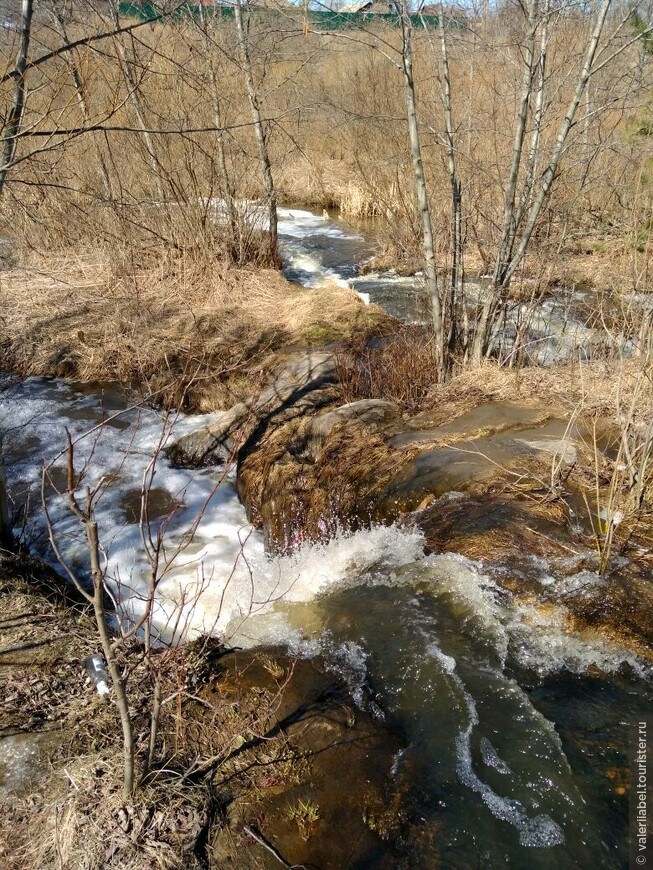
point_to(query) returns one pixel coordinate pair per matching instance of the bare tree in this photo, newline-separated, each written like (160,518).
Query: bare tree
(127,65)
(80,90)
(527,193)
(226,185)
(84,511)
(242,27)
(421,194)
(15,116)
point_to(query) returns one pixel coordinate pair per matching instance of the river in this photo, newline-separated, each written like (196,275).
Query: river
(516,731)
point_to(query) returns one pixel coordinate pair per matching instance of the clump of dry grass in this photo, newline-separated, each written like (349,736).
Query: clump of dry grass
(593,386)
(82,821)
(194,331)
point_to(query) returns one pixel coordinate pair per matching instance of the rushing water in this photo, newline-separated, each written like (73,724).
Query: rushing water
(317,248)
(516,731)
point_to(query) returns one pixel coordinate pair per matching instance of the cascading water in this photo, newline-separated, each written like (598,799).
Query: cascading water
(511,723)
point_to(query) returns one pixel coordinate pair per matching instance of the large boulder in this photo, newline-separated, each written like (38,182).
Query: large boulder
(302,385)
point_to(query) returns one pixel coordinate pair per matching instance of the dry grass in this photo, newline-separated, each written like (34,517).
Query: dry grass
(187,329)
(299,496)
(82,822)
(593,386)
(68,811)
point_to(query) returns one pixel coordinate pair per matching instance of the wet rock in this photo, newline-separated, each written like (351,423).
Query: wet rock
(563,451)
(368,411)
(301,810)
(538,560)
(303,385)
(496,528)
(489,416)
(159,503)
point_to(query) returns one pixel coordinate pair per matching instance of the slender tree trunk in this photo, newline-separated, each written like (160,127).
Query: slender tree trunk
(561,139)
(226,188)
(508,227)
(457,278)
(421,195)
(107,648)
(515,241)
(134,95)
(76,76)
(12,127)
(538,112)
(261,139)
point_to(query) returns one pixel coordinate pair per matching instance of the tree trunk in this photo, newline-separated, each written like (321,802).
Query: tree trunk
(456,308)
(60,27)
(508,228)
(514,242)
(226,188)
(567,123)
(134,97)
(107,648)
(261,140)
(12,127)
(421,195)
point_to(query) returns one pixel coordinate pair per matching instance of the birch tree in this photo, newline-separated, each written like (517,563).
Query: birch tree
(421,193)
(242,28)
(19,96)
(527,189)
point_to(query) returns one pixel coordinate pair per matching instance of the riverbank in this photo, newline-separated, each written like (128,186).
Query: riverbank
(484,542)
(251,741)
(195,335)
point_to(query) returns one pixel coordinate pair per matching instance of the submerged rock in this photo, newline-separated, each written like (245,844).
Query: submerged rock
(536,557)
(311,728)
(301,474)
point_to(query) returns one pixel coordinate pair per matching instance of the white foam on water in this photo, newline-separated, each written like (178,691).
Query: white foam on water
(539,831)
(540,639)
(389,277)
(223,582)
(492,758)
(574,584)
(543,641)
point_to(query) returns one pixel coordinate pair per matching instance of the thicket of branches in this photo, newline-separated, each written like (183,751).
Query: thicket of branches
(491,142)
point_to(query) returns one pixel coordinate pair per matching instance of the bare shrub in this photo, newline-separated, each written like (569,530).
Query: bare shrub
(400,368)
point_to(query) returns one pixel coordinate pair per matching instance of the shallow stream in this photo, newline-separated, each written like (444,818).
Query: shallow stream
(516,731)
